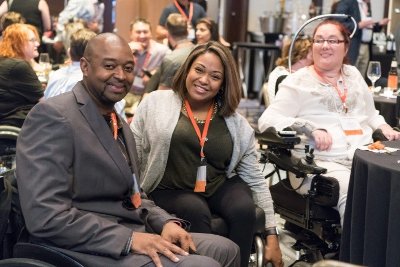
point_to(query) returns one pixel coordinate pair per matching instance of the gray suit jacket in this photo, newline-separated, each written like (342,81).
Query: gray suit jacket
(73,178)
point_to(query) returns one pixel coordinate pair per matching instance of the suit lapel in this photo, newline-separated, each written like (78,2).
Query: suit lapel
(101,130)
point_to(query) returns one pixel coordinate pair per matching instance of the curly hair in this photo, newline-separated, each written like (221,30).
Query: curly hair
(15,37)
(10,18)
(300,50)
(229,94)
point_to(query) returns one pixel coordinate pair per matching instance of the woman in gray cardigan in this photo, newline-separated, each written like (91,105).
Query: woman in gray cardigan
(197,154)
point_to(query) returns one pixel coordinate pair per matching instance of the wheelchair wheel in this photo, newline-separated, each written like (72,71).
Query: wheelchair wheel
(259,251)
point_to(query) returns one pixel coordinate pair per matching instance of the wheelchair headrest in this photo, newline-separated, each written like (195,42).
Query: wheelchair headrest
(274,139)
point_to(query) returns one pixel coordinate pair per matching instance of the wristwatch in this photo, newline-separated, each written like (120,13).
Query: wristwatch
(271,231)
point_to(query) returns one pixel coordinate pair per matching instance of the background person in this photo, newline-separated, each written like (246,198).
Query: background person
(20,88)
(148,55)
(301,57)
(187,8)
(77,175)
(356,9)
(206,88)
(9,18)
(177,38)
(35,12)
(207,30)
(329,103)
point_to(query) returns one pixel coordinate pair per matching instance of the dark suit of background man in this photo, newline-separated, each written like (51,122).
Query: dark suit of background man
(75,176)
(352,8)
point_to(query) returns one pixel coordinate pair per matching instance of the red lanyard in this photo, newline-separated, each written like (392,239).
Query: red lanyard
(146,60)
(189,19)
(114,124)
(342,95)
(135,196)
(202,136)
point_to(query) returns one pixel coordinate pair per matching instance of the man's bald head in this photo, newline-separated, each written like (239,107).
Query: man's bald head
(102,42)
(107,67)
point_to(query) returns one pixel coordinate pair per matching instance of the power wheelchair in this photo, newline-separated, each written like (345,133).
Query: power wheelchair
(16,248)
(311,218)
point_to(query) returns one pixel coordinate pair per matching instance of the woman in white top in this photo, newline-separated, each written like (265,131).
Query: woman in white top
(330,105)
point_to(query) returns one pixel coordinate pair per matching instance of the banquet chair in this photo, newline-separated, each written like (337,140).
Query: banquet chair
(311,217)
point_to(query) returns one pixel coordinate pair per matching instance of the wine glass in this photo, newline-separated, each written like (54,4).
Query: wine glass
(374,72)
(45,66)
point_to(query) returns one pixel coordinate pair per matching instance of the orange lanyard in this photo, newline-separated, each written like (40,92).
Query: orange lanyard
(202,136)
(189,19)
(114,125)
(145,61)
(342,95)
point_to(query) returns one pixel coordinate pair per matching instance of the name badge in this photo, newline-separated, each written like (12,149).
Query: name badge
(351,126)
(191,33)
(138,82)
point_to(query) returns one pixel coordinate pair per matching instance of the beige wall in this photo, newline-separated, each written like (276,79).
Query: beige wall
(128,10)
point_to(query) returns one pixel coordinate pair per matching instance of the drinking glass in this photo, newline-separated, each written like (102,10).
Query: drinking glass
(45,66)
(374,72)
(44,58)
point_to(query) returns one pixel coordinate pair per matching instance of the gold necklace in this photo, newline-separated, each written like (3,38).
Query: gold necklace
(215,109)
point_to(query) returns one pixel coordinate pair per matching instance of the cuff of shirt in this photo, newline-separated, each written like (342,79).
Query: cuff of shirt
(127,247)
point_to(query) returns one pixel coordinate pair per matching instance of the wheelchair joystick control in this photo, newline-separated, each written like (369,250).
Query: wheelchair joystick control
(310,156)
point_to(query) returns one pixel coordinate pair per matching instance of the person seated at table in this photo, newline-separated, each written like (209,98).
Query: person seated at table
(78,179)
(301,57)
(330,104)
(20,88)
(196,129)
(207,30)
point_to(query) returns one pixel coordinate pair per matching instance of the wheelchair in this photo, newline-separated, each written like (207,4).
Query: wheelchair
(16,248)
(310,218)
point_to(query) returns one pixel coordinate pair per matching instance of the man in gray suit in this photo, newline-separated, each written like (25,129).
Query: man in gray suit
(77,175)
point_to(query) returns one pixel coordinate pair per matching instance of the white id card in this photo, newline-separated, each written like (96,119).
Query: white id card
(138,82)
(351,126)
(191,33)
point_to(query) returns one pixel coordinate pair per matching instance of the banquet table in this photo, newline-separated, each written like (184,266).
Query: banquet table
(387,108)
(371,229)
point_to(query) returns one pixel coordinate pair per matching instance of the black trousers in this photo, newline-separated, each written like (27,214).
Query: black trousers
(233,202)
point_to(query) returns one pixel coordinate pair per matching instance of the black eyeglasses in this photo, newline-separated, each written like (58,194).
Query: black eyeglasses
(329,41)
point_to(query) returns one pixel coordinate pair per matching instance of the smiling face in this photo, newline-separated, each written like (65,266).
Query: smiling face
(30,48)
(203,33)
(141,33)
(328,56)
(204,79)
(107,68)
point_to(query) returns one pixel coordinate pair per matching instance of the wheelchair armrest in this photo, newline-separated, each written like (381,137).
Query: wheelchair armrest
(272,139)
(377,135)
(44,253)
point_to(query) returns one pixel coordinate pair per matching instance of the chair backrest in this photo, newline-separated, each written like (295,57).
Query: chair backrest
(8,143)
(278,81)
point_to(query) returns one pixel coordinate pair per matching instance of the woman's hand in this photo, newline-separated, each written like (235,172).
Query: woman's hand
(389,133)
(272,251)
(323,139)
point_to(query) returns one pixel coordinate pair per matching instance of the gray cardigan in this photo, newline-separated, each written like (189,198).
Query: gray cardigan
(153,125)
